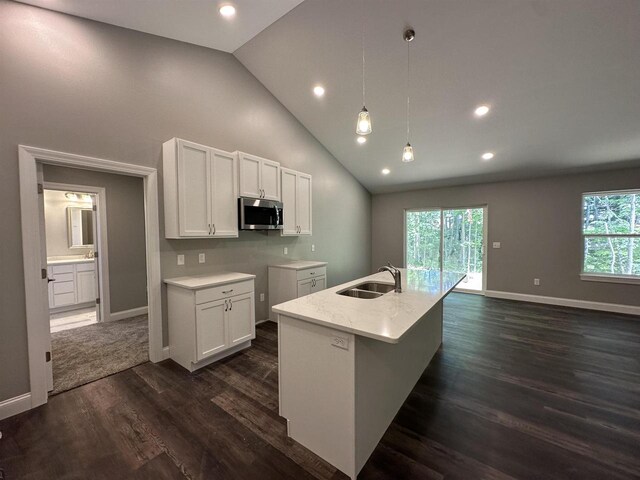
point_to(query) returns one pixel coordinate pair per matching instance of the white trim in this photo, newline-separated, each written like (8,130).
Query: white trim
(166,353)
(37,302)
(566,302)
(594,277)
(15,405)
(133,312)
(103,242)
(263,321)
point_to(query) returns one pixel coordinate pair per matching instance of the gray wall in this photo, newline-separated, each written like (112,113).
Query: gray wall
(538,223)
(88,88)
(125,232)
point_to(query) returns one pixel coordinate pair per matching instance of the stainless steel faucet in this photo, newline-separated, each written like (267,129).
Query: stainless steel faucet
(395,272)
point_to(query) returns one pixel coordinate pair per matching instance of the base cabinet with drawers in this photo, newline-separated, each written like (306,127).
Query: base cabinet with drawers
(210,317)
(295,280)
(71,284)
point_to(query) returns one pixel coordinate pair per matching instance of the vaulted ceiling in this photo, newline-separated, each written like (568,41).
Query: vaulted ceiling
(562,78)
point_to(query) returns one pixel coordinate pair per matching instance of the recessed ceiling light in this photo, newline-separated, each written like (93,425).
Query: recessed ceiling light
(227,11)
(487,156)
(481,110)
(318,90)
(361,139)
(386,171)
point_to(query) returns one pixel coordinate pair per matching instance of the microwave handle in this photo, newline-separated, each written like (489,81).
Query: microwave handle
(277,215)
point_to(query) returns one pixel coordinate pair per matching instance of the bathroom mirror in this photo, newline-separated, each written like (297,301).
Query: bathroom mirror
(80,227)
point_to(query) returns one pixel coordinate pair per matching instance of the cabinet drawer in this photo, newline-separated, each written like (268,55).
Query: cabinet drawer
(62,269)
(63,287)
(223,291)
(63,277)
(311,272)
(64,299)
(86,267)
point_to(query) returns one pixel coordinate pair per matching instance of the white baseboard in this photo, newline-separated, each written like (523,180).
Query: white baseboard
(134,312)
(15,405)
(262,321)
(166,353)
(566,302)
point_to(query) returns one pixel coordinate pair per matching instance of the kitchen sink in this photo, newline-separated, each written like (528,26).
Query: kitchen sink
(367,290)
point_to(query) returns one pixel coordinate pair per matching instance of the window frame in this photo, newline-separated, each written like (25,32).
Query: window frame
(605,277)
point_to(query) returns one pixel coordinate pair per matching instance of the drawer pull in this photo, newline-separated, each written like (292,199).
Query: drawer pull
(227,291)
(312,273)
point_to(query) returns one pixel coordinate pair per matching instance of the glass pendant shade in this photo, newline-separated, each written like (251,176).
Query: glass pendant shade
(407,153)
(363,126)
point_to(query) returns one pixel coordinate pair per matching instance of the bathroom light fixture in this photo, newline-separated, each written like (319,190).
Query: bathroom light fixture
(361,139)
(363,124)
(481,110)
(488,155)
(386,171)
(227,11)
(407,151)
(71,196)
(318,91)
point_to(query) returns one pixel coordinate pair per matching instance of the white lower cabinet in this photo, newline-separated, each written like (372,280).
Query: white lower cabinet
(295,280)
(210,317)
(71,284)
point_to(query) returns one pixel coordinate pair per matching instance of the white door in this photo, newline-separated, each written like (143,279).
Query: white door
(224,206)
(304,287)
(319,283)
(194,189)
(241,318)
(289,187)
(249,176)
(270,179)
(45,280)
(211,336)
(303,197)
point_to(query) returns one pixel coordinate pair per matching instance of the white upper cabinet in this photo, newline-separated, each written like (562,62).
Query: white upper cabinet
(259,177)
(200,191)
(296,202)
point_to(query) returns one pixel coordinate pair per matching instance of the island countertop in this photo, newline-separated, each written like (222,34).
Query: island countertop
(386,318)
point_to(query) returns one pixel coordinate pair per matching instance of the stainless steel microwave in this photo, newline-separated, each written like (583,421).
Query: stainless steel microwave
(257,214)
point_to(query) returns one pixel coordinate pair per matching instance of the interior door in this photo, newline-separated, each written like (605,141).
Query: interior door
(241,318)
(249,176)
(211,335)
(270,180)
(289,187)
(304,287)
(303,213)
(224,179)
(194,189)
(45,281)
(96,262)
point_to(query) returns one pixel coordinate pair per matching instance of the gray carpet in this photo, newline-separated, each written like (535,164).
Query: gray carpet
(82,355)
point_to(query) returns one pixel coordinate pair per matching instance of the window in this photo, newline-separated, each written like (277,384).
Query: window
(611,235)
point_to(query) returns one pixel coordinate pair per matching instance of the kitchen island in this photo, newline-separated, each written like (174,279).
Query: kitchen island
(347,364)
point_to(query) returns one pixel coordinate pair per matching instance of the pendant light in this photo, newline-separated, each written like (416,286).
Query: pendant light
(363,124)
(407,152)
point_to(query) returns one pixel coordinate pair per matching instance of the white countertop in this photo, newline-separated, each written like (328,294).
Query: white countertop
(386,318)
(68,260)
(197,282)
(300,265)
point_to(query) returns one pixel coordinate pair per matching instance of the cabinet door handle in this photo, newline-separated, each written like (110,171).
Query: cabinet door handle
(227,291)
(49,280)
(214,229)
(226,306)
(230,305)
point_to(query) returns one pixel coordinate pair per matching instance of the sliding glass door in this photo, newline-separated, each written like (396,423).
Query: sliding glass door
(448,239)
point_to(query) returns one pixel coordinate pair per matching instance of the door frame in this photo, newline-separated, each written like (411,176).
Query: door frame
(103,246)
(485,236)
(36,300)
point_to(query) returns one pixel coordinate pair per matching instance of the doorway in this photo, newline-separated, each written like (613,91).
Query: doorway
(451,239)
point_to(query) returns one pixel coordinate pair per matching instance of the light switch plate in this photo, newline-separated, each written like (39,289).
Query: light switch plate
(313,247)
(201,258)
(536,281)
(180,259)
(496,244)
(262,297)
(286,251)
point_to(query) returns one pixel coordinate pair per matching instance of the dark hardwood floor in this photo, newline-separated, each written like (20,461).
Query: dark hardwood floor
(518,390)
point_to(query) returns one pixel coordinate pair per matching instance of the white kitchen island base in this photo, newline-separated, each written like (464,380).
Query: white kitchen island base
(339,400)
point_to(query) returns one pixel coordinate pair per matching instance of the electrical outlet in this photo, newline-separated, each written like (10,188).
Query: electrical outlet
(201,258)
(180,259)
(313,247)
(496,244)
(286,251)
(340,342)
(536,281)
(262,297)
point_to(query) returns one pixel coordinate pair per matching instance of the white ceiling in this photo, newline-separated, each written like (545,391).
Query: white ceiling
(562,77)
(192,21)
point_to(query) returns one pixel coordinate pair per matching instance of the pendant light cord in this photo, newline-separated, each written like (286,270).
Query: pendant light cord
(362,16)
(408,73)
